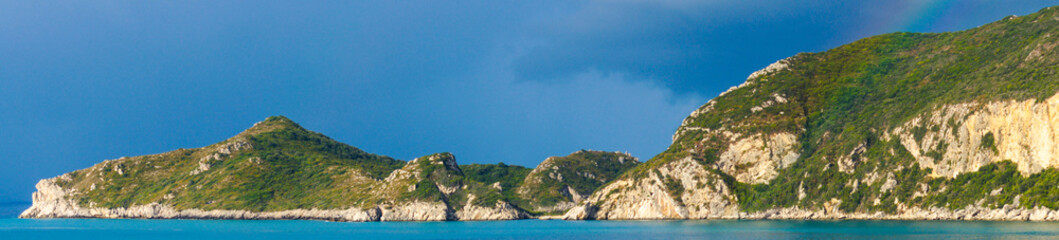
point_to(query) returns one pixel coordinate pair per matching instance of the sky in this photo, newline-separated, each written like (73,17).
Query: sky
(489,81)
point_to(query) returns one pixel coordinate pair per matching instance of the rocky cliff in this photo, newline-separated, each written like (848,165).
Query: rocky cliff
(558,183)
(958,125)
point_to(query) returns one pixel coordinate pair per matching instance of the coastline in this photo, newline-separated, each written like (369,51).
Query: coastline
(157,211)
(50,202)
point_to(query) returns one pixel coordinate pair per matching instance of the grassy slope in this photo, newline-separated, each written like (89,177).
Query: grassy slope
(287,168)
(509,177)
(847,96)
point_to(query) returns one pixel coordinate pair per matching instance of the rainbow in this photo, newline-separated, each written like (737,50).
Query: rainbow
(916,16)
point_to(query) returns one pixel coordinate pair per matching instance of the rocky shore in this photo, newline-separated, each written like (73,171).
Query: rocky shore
(50,202)
(969,213)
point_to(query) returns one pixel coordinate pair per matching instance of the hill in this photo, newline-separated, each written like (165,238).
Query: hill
(558,183)
(957,125)
(278,170)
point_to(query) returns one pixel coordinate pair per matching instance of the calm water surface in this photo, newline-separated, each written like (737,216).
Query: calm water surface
(11,228)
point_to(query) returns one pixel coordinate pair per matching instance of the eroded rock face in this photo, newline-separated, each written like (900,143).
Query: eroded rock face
(1025,132)
(757,158)
(418,211)
(50,201)
(502,211)
(704,196)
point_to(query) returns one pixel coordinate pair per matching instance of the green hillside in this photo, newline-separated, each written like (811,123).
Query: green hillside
(277,165)
(854,95)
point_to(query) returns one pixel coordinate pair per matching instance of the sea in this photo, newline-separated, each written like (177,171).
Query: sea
(14,228)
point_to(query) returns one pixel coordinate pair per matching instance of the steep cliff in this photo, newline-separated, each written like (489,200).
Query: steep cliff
(958,125)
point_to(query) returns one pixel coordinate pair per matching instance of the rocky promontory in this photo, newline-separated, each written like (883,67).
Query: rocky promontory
(279,170)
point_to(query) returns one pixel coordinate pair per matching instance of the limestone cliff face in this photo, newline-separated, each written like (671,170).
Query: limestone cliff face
(756,159)
(500,211)
(51,201)
(417,211)
(969,135)
(678,190)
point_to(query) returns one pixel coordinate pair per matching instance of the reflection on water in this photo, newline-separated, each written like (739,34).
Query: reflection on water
(525,229)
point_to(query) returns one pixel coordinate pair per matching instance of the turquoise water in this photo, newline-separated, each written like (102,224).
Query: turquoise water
(11,228)
(525,229)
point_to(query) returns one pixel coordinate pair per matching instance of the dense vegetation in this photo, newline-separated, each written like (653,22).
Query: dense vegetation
(288,167)
(509,176)
(278,165)
(852,95)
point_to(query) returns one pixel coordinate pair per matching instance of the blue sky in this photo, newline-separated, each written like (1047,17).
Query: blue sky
(490,81)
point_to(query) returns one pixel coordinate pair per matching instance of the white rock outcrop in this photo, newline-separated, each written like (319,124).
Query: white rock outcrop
(757,158)
(50,201)
(418,211)
(704,196)
(502,211)
(1025,132)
